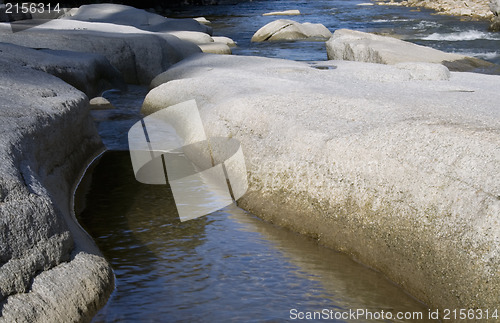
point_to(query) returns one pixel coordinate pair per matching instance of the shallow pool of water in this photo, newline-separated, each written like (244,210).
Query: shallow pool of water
(228,266)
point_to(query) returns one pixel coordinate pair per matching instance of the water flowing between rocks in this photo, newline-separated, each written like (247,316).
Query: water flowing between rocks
(230,265)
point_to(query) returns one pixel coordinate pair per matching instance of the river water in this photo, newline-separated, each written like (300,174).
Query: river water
(230,266)
(421,26)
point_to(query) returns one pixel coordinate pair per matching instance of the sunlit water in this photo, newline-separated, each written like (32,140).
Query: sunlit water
(422,26)
(230,266)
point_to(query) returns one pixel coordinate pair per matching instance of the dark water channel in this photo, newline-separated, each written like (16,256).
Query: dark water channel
(230,266)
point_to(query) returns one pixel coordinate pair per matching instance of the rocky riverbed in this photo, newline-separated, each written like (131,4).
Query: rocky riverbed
(471,8)
(394,163)
(51,271)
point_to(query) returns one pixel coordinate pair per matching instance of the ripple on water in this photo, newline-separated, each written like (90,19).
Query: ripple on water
(227,266)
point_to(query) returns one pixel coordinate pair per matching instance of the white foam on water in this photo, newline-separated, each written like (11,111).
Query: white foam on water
(391,20)
(426,24)
(486,56)
(462,36)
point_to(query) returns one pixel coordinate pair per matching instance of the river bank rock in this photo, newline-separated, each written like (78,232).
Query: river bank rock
(284,29)
(359,46)
(50,269)
(90,73)
(139,55)
(141,19)
(477,9)
(495,20)
(402,174)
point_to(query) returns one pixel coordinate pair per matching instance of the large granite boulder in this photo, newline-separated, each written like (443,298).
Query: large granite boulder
(90,73)
(141,19)
(139,55)
(50,269)
(284,29)
(359,46)
(399,172)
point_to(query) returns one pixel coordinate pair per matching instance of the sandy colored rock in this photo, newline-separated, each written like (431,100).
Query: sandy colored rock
(359,46)
(402,174)
(495,20)
(224,40)
(202,20)
(100,103)
(478,9)
(284,29)
(292,12)
(216,48)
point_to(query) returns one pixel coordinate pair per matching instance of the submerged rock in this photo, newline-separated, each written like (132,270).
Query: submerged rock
(284,29)
(401,173)
(359,46)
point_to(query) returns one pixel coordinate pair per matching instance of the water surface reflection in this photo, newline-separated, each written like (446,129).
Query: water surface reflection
(227,266)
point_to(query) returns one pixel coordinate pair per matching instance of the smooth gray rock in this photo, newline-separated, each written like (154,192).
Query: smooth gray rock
(50,269)
(130,16)
(284,29)
(359,46)
(138,55)
(90,73)
(401,173)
